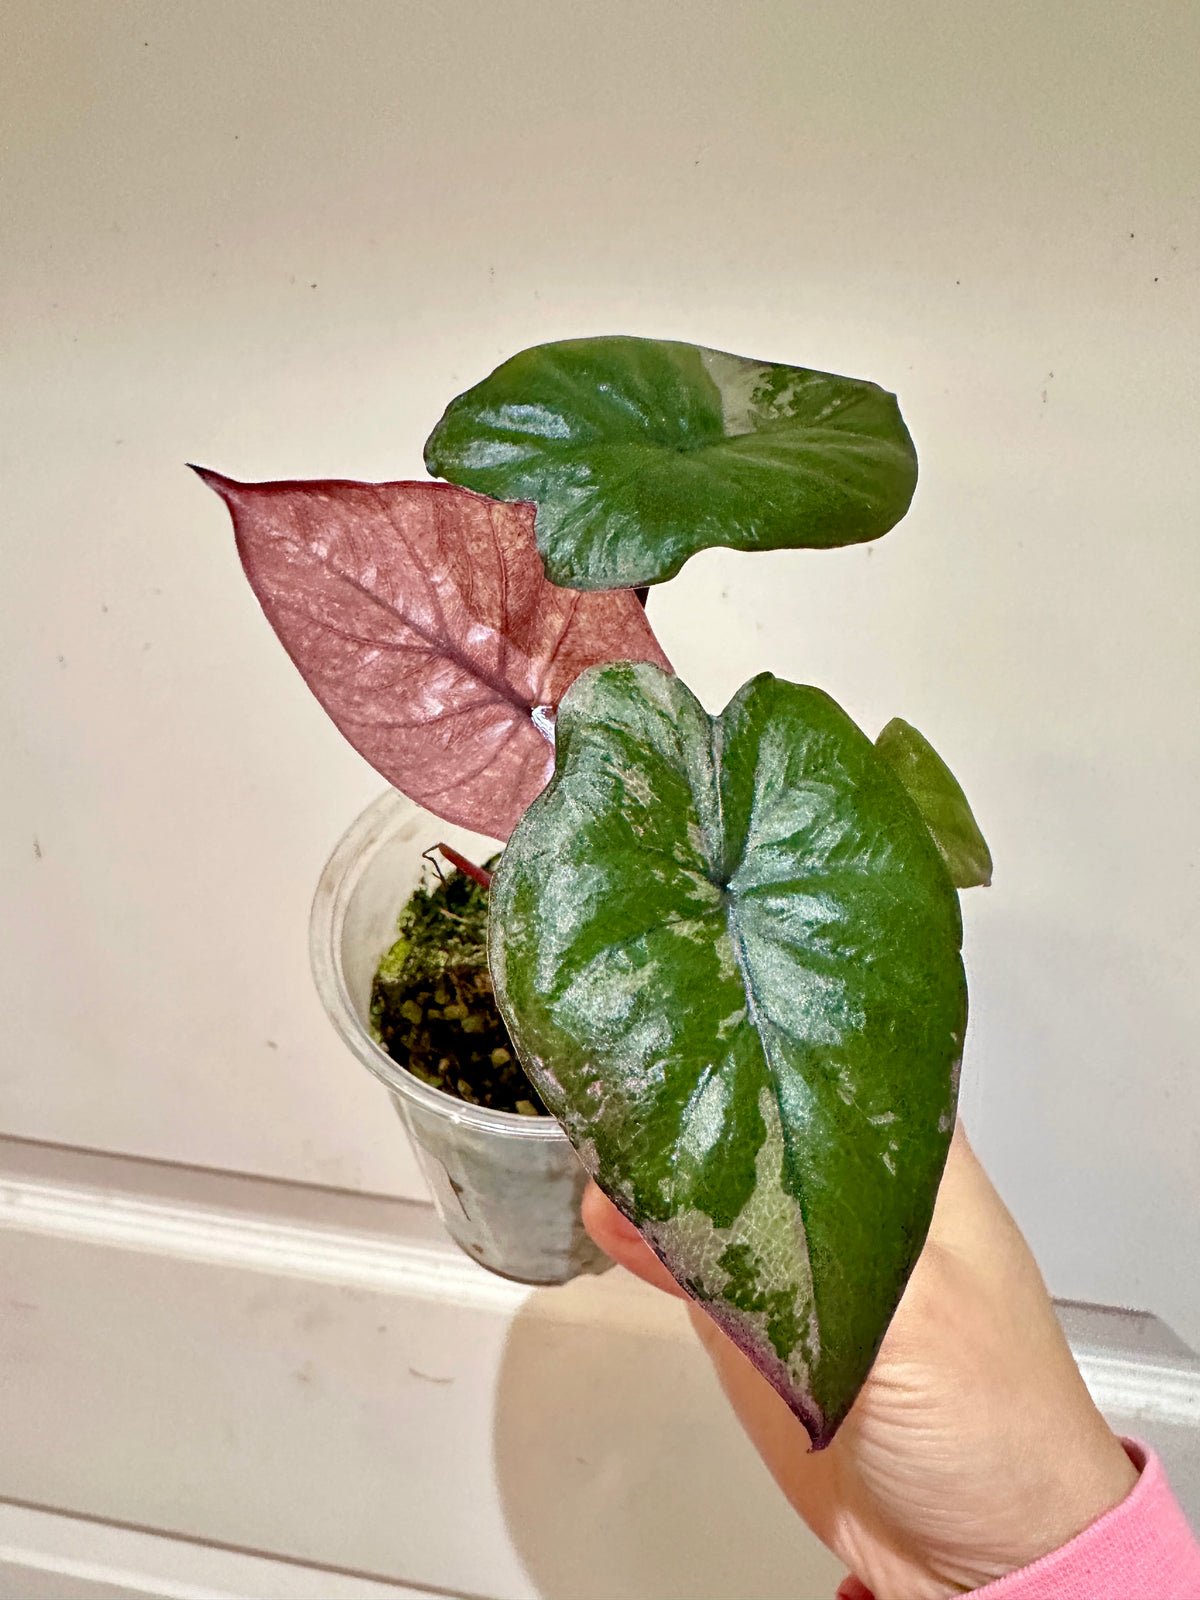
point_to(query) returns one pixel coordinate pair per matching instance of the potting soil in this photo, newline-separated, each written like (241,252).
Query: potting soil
(432,1007)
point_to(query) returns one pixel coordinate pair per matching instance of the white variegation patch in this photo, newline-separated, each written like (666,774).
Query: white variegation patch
(637,786)
(703,1119)
(729,1025)
(771,1224)
(736,378)
(727,962)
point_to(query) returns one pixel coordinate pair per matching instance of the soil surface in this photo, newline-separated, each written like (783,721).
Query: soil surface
(432,1006)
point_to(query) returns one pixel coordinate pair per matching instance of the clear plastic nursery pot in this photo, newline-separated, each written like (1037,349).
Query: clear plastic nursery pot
(507,1187)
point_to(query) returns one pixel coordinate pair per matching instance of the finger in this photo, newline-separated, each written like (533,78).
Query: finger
(618,1238)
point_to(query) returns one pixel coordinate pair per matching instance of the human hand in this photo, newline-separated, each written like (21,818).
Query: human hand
(973,1448)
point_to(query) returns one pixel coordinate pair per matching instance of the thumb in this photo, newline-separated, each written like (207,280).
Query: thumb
(618,1238)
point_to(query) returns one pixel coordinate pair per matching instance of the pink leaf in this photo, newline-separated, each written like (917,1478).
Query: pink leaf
(420,617)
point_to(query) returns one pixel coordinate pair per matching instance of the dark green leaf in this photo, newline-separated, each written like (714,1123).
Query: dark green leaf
(940,800)
(639,452)
(727,951)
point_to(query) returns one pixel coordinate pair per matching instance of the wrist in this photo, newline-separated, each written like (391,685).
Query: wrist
(1042,1494)
(1084,1486)
(1070,1486)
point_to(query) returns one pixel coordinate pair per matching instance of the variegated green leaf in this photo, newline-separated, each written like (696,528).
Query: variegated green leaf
(940,800)
(639,452)
(727,950)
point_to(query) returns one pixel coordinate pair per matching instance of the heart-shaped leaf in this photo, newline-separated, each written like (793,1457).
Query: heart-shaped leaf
(940,800)
(421,619)
(727,950)
(639,452)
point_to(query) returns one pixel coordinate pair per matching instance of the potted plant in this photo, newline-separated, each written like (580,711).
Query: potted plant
(726,949)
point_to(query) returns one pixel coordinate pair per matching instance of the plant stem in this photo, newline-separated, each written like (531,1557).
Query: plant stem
(480,874)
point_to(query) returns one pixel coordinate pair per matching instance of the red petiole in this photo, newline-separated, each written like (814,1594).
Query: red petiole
(480,874)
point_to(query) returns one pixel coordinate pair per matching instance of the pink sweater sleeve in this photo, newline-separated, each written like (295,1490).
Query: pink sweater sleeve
(1142,1549)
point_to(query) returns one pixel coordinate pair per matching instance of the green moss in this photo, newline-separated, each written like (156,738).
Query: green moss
(432,1007)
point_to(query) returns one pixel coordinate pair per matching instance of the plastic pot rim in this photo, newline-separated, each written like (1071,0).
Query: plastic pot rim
(350,859)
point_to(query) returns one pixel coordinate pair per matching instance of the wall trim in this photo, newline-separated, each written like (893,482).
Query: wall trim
(395,1264)
(429,1267)
(97,1556)
(1135,1387)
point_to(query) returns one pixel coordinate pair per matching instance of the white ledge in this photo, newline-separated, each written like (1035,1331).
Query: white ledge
(1132,1363)
(418,1267)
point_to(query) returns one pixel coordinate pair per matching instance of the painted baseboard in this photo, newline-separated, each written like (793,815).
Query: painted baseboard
(277,1389)
(320,1379)
(1133,1387)
(1131,1361)
(416,1266)
(47,1555)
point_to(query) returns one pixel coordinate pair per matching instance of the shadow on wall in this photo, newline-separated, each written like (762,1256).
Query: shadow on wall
(620,1468)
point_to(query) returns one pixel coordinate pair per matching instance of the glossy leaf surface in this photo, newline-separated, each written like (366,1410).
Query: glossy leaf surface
(940,800)
(640,452)
(727,950)
(420,617)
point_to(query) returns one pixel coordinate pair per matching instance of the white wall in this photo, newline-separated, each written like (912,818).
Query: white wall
(277,238)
